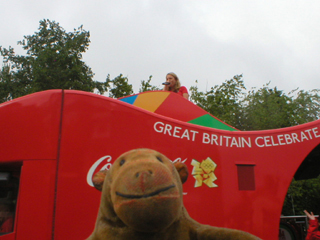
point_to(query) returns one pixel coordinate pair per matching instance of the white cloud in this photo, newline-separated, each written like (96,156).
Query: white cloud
(210,41)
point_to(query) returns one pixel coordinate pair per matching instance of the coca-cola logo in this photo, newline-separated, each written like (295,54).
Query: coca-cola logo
(104,163)
(179,160)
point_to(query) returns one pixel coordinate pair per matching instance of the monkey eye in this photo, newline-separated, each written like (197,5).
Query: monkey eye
(159,158)
(122,162)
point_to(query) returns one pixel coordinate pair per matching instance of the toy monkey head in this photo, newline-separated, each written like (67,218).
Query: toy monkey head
(142,190)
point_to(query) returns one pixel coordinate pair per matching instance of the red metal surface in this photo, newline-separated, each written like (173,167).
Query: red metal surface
(36,200)
(30,126)
(95,130)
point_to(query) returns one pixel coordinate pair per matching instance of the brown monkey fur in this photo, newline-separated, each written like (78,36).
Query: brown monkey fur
(142,200)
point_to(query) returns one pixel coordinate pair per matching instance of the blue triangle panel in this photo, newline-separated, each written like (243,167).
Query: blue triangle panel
(129,100)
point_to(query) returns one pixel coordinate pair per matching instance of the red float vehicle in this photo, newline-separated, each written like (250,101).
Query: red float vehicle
(52,143)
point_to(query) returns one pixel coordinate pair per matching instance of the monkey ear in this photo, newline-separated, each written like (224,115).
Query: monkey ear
(182,170)
(98,179)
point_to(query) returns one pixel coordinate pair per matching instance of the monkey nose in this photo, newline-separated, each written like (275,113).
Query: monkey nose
(144,173)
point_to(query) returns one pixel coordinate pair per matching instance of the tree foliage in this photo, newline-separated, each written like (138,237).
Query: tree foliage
(118,87)
(52,61)
(146,86)
(257,109)
(306,106)
(267,108)
(270,108)
(222,101)
(302,195)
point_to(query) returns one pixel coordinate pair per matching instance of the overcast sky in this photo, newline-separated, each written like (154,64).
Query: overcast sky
(207,40)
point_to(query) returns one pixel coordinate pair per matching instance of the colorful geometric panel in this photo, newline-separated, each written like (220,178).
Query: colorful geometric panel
(179,108)
(150,100)
(209,121)
(129,99)
(175,106)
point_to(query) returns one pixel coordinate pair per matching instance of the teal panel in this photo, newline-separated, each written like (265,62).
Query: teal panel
(129,100)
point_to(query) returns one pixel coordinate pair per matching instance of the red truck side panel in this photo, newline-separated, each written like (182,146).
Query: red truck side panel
(30,126)
(244,187)
(36,200)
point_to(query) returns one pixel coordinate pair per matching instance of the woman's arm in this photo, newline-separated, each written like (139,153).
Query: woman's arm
(185,95)
(313,226)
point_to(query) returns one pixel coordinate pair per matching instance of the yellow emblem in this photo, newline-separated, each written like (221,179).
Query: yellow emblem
(204,172)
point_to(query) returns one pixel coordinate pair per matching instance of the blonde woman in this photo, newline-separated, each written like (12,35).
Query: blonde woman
(173,84)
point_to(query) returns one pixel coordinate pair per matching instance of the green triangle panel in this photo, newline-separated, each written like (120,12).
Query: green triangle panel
(208,121)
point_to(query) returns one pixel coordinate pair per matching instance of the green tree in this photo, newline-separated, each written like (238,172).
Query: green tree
(52,61)
(119,86)
(267,108)
(306,106)
(146,86)
(257,109)
(223,101)
(302,194)
(6,84)
(270,108)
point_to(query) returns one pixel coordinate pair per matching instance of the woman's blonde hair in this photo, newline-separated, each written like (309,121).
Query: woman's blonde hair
(178,84)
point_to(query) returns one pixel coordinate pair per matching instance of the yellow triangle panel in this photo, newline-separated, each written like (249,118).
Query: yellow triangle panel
(151,103)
